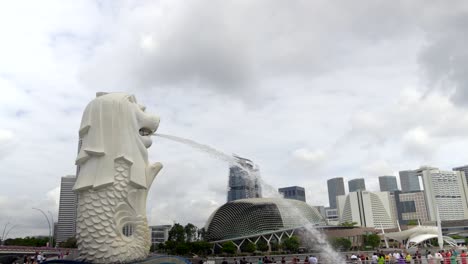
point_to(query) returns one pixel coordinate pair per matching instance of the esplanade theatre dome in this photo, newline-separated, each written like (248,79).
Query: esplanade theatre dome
(250,217)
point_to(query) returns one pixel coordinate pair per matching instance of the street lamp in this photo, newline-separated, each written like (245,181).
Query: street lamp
(53,226)
(2,238)
(48,222)
(8,232)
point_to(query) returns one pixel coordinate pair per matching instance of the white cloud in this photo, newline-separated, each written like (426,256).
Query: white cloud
(417,142)
(309,157)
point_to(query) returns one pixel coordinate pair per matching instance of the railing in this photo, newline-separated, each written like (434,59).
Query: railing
(6,249)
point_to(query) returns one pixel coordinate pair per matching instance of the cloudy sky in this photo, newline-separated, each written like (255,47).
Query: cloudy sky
(309,90)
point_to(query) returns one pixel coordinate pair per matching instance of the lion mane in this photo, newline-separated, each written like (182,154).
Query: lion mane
(109,131)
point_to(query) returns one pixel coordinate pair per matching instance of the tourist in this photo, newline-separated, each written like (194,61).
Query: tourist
(446,256)
(430,258)
(401,258)
(306,260)
(359,260)
(283,260)
(388,258)
(224,261)
(438,257)
(294,260)
(260,261)
(453,257)
(381,259)
(408,258)
(313,260)
(375,258)
(235,261)
(463,257)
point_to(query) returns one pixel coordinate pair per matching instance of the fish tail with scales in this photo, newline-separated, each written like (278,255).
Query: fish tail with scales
(107,215)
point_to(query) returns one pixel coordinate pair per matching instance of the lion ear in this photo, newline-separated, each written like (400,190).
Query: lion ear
(100,94)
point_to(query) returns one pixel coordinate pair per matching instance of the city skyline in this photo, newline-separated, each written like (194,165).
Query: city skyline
(308,90)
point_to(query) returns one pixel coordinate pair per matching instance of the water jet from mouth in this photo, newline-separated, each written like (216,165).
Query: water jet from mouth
(329,255)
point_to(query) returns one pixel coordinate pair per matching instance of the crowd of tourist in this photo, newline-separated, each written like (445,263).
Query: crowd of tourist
(450,256)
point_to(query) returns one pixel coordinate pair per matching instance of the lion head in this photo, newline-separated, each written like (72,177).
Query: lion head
(113,126)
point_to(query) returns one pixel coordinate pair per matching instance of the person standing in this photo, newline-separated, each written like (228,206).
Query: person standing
(283,260)
(463,257)
(430,258)
(313,260)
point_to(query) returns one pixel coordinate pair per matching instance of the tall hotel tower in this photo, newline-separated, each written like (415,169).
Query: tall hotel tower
(244,180)
(335,188)
(67,209)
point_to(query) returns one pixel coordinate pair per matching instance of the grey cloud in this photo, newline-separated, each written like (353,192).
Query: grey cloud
(444,59)
(230,47)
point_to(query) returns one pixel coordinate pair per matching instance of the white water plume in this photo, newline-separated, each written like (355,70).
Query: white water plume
(328,255)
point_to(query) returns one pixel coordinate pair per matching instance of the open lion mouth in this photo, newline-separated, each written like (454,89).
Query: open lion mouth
(145,131)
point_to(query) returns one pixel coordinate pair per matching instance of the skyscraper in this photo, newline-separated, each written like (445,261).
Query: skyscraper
(409,181)
(446,192)
(67,209)
(464,169)
(388,183)
(355,185)
(368,209)
(335,188)
(293,192)
(410,206)
(244,180)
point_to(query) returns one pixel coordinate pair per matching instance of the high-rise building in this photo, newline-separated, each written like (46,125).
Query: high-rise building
(335,188)
(410,206)
(67,209)
(244,180)
(367,209)
(445,191)
(464,169)
(355,185)
(388,183)
(409,181)
(293,192)
(159,234)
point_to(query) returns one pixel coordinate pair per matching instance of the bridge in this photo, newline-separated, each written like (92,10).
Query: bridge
(23,250)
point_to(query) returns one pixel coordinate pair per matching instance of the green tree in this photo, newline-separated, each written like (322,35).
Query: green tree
(348,224)
(27,241)
(170,246)
(229,247)
(412,222)
(291,244)
(177,233)
(262,245)
(69,243)
(201,233)
(274,245)
(162,247)
(248,247)
(182,248)
(201,247)
(341,243)
(372,240)
(190,232)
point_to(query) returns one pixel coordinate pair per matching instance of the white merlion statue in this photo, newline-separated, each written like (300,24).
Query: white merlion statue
(113,179)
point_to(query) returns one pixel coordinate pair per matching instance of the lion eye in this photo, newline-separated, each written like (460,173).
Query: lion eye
(132,99)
